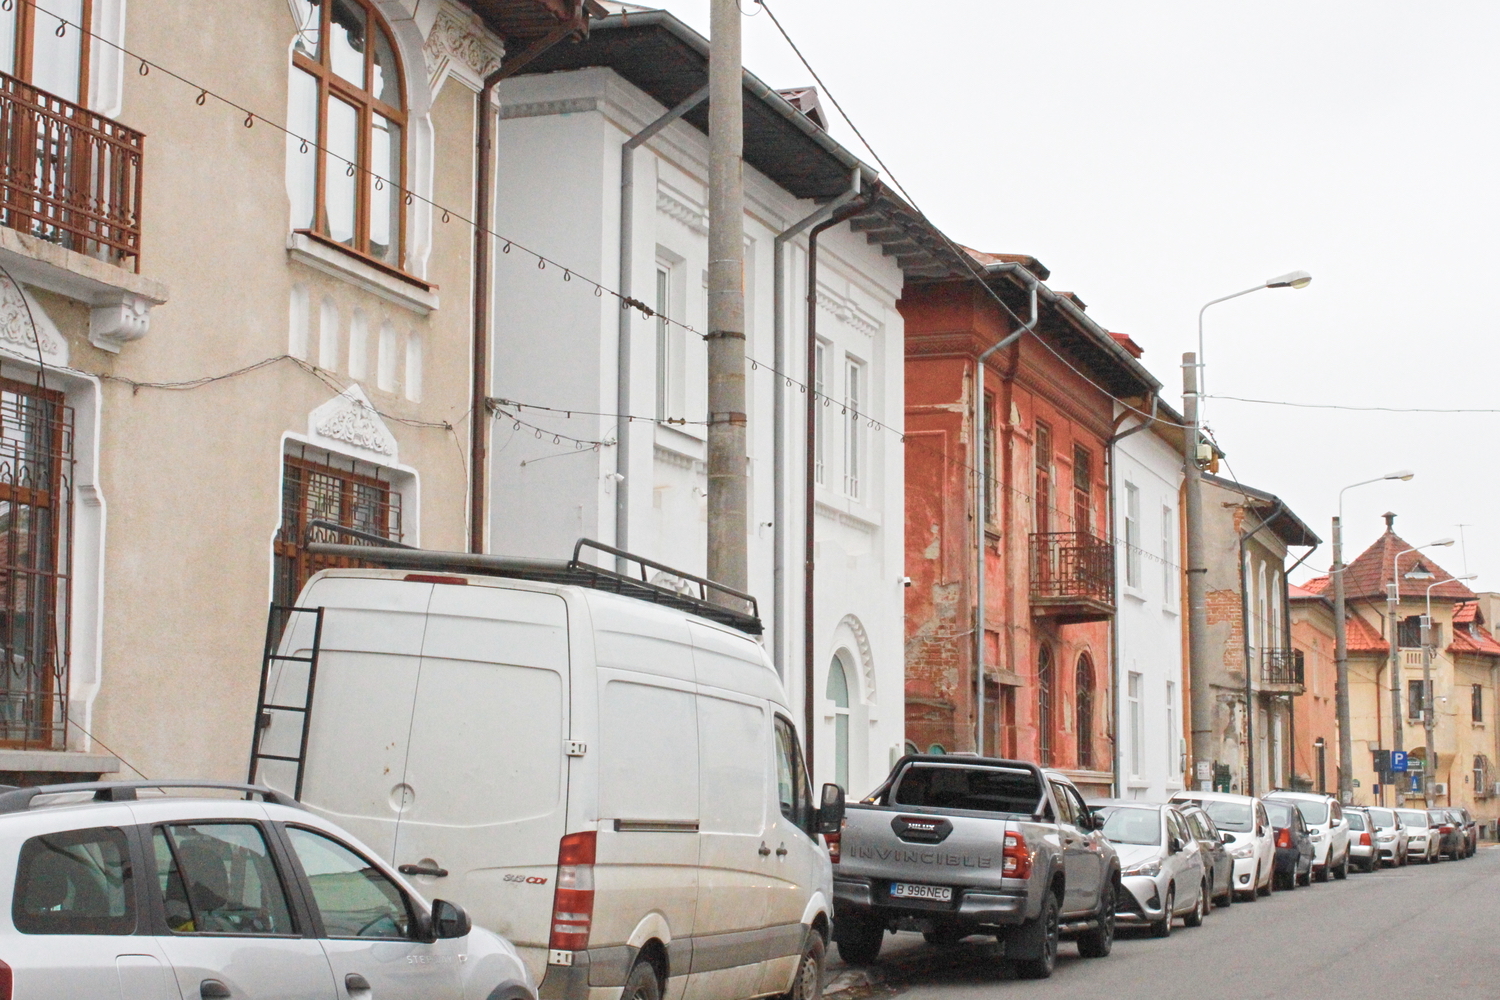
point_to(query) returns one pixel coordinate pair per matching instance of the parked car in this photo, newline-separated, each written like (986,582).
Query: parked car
(111,890)
(1326,826)
(1362,855)
(1451,841)
(1162,867)
(1392,842)
(1466,822)
(596,775)
(1252,843)
(1295,851)
(1216,857)
(954,846)
(1422,836)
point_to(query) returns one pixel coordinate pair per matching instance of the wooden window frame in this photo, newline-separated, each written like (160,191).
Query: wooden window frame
(331,86)
(294,548)
(26,18)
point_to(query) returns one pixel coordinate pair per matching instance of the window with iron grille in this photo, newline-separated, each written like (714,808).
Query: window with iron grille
(36,516)
(340,491)
(1044,682)
(1084,700)
(1476,702)
(1409,632)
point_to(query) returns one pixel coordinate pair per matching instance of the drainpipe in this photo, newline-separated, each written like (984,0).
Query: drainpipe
(809,503)
(622,351)
(1249,788)
(1114,632)
(981,508)
(778,433)
(484,180)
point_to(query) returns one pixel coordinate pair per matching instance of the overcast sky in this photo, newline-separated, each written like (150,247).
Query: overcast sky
(1158,155)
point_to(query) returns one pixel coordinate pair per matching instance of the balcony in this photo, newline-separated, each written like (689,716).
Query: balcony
(1281,671)
(69,176)
(1072,577)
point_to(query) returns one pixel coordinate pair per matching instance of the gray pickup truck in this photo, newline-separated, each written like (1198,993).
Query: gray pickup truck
(956,845)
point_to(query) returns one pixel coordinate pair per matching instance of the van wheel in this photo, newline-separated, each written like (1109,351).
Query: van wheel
(642,984)
(809,982)
(1038,939)
(858,940)
(1097,942)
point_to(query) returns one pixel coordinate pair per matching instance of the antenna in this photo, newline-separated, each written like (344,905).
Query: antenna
(1463,545)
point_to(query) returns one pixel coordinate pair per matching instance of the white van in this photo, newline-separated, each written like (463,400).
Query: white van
(614,786)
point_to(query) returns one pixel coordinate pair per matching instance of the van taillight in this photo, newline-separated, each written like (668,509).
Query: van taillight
(1017,862)
(7,981)
(1364,839)
(573,902)
(835,843)
(1284,837)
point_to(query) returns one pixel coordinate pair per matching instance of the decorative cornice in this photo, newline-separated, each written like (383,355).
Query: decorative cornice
(349,419)
(677,460)
(675,205)
(541,109)
(845,309)
(459,45)
(846,519)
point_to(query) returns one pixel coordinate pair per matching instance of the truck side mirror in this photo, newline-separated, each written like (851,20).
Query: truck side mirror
(831,809)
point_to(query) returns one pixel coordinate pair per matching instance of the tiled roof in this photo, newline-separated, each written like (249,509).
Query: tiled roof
(1124,340)
(1316,587)
(1362,637)
(1468,635)
(1367,576)
(1027,261)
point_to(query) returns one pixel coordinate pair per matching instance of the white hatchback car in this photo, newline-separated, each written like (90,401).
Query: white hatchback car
(1330,831)
(1251,843)
(1423,840)
(109,893)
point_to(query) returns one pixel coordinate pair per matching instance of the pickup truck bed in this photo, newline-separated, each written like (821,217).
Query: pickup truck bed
(954,846)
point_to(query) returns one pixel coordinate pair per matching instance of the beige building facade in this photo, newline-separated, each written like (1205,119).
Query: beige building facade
(213,333)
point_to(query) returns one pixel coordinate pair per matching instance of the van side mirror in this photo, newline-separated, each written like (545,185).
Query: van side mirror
(831,809)
(449,920)
(1226,838)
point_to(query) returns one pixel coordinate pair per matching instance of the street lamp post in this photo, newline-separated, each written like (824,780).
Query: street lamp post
(1429,759)
(1393,598)
(1197,565)
(1341,642)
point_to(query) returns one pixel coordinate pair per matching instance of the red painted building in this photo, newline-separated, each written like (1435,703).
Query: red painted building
(1050,404)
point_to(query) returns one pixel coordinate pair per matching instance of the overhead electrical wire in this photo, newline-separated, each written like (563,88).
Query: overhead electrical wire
(1355,409)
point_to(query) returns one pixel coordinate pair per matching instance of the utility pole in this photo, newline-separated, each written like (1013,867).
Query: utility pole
(1197,576)
(1341,660)
(1429,757)
(728,477)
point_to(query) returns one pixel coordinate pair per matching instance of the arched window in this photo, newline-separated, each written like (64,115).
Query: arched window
(31,48)
(838,693)
(1084,701)
(1044,705)
(347,93)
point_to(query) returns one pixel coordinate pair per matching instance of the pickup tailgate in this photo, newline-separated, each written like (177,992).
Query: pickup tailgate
(902,844)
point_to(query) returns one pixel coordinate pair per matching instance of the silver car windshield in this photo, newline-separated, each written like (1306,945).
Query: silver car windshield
(1413,817)
(1384,818)
(1130,825)
(1229,815)
(1356,821)
(1313,812)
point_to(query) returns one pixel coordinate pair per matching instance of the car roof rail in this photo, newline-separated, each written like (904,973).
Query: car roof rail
(20,799)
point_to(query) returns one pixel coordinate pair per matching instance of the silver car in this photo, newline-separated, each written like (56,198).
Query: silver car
(1391,840)
(1422,840)
(1361,839)
(1162,870)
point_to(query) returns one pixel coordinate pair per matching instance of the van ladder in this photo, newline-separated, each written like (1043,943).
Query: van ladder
(276,626)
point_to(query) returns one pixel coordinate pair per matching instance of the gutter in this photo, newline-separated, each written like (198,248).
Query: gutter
(1249,788)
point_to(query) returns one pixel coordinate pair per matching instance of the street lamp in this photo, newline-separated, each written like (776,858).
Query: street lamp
(1429,759)
(1197,565)
(1341,641)
(1393,597)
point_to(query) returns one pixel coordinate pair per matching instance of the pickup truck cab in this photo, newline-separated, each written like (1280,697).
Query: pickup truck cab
(955,845)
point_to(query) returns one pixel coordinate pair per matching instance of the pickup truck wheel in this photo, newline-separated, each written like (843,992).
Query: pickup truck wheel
(642,983)
(859,941)
(1039,938)
(1163,927)
(809,982)
(1096,943)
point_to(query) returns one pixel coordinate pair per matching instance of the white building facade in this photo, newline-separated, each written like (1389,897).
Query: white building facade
(555,472)
(1150,738)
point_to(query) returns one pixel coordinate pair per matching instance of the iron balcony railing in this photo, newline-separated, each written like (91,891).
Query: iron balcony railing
(68,175)
(1281,666)
(1072,564)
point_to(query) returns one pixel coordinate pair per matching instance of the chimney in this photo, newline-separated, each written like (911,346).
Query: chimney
(1390,521)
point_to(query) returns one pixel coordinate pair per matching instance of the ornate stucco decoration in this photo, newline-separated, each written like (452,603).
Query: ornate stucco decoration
(847,311)
(459,46)
(25,328)
(866,659)
(676,205)
(348,421)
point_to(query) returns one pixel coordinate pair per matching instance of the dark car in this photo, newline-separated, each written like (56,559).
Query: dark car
(1466,822)
(1453,842)
(1294,846)
(1216,860)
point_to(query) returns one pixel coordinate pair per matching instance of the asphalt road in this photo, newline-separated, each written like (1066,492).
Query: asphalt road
(1390,932)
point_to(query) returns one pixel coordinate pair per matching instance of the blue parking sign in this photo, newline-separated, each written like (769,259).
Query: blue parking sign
(1398,760)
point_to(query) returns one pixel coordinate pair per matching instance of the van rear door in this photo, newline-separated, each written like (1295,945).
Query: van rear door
(361,717)
(486,773)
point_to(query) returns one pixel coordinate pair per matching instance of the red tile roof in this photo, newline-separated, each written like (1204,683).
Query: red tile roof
(1123,339)
(1367,576)
(1027,261)
(1362,637)
(1316,587)
(1468,635)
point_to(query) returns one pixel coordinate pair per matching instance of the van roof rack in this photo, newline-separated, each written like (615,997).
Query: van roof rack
(693,594)
(19,799)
